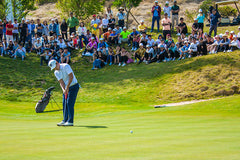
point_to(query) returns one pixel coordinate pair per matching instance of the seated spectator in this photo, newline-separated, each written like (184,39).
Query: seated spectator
(235,44)
(82,32)
(150,41)
(55,47)
(123,57)
(88,35)
(103,46)
(118,29)
(232,33)
(45,56)
(148,54)
(139,54)
(113,38)
(29,47)
(202,47)
(153,57)
(61,43)
(58,55)
(181,28)
(111,21)
(89,48)
(5,45)
(142,27)
(200,34)
(173,51)
(158,41)
(215,47)
(124,36)
(66,56)
(184,51)
(224,44)
(134,37)
(238,35)
(38,46)
(20,52)
(162,54)
(117,55)
(169,41)
(110,56)
(107,34)
(144,39)
(1,48)
(195,26)
(99,62)
(10,48)
(193,48)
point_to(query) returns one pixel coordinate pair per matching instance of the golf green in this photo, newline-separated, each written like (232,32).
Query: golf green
(202,131)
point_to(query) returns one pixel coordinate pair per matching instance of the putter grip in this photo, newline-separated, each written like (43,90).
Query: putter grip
(66,95)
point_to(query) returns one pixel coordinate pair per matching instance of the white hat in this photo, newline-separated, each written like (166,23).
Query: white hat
(167,2)
(140,44)
(148,46)
(38,39)
(226,31)
(232,32)
(124,27)
(156,1)
(27,20)
(134,28)
(101,39)
(239,27)
(195,19)
(0,20)
(109,29)
(142,21)
(53,19)
(52,64)
(92,38)
(23,19)
(200,10)
(235,36)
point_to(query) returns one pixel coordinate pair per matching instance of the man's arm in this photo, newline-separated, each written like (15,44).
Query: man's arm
(69,82)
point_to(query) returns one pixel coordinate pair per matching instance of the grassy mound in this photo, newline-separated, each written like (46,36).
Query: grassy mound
(196,78)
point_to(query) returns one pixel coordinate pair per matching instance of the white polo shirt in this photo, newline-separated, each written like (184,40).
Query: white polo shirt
(63,73)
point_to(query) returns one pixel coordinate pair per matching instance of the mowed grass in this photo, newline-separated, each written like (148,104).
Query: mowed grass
(203,131)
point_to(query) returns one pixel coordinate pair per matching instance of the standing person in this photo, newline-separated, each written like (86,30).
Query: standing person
(175,10)
(105,23)
(167,9)
(1,30)
(72,23)
(45,28)
(5,22)
(121,16)
(52,28)
(111,22)
(9,29)
(200,19)
(214,21)
(58,27)
(109,12)
(82,32)
(33,26)
(64,28)
(69,84)
(29,30)
(24,31)
(156,15)
(39,27)
(166,23)
(15,30)
(95,25)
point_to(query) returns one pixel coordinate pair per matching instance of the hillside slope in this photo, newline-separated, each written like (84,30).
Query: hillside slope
(196,78)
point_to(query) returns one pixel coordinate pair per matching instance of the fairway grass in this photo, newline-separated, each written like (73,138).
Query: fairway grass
(202,131)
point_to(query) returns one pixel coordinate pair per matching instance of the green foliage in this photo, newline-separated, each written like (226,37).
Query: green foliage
(3,7)
(81,8)
(205,6)
(190,15)
(41,2)
(227,11)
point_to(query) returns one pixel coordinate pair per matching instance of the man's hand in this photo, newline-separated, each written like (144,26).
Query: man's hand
(66,91)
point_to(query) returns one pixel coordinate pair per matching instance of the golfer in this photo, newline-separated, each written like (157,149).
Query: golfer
(70,87)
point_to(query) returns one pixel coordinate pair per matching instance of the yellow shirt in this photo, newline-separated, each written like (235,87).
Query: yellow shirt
(140,52)
(142,27)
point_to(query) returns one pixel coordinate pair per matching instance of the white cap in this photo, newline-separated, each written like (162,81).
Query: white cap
(148,46)
(140,44)
(52,64)
(101,39)
(195,19)
(27,20)
(167,2)
(38,39)
(92,38)
(124,27)
(53,19)
(134,28)
(232,32)
(235,36)
(156,1)
(226,31)
(200,10)
(0,20)
(23,19)
(142,21)
(109,29)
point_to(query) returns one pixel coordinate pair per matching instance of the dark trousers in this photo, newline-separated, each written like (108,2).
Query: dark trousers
(43,59)
(68,110)
(155,18)
(121,23)
(71,30)
(201,25)
(136,56)
(110,58)
(123,59)
(22,39)
(213,28)
(85,40)
(64,35)
(40,34)
(224,47)
(1,37)
(165,33)
(113,40)
(175,54)
(15,37)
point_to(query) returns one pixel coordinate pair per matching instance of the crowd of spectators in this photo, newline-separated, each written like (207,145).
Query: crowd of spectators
(104,39)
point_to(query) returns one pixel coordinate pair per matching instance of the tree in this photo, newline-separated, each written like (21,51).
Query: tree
(81,8)
(3,10)
(127,5)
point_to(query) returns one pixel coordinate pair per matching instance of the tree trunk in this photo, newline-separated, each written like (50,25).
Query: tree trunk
(128,12)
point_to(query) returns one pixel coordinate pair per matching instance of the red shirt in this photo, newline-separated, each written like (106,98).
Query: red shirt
(7,31)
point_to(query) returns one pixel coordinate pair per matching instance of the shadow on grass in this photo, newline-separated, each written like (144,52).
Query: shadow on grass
(91,127)
(57,110)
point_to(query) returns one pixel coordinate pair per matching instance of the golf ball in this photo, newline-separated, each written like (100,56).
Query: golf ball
(131,131)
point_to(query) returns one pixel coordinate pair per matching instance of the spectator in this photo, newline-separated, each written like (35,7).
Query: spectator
(142,27)
(61,43)
(1,30)
(148,54)
(121,16)
(123,57)
(45,28)
(156,15)
(66,56)
(162,54)
(88,35)
(175,10)
(214,22)
(150,41)
(9,29)
(29,30)
(110,56)
(99,27)
(215,47)
(10,48)
(52,28)
(174,51)
(139,54)
(102,45)
(193,48)
(166,23)
(39,27)
(55,47)
(4,28)
(182,27)
(202,47)
(144,39)
(105,23)
(167,9)
(111,22)
(200,19)
(99,61)
(38,46)
(195,26)
(64,28)
(95,25)
(58,27)
(184,51)
(107,34)
(235,44)
(5,45)
(82,32)
(224,43)
(238,35)
(109,12)
(153,57)
(15,30)
(124,35)
(232,33)
(134,37)
(72,23)
(113,37)
(45,56)
(90,46)
(20,52)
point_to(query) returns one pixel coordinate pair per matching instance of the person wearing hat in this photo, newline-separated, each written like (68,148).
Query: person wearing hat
(9,29)
(95,22)
(195,26)
(72,22)
(232,33)
(45,56)
(66,56)
(121,16)
(193,48)
(69,84)
(234,44)
(90,46)
(175,10)
(167,9)
(20,52)
(215,19)
(38,46)
(23,27)
(1,30)
(238,35)
(148,54)
(134,37)
(113,37)
(224,43)
(15,30)
(181,27)
(52,28)
(103,46)
(215,47)
(162,54)
(166,23)
(39,27)
(107,34)
(139,53)
(142,27)
(124,35)
(200,18)
(156,15)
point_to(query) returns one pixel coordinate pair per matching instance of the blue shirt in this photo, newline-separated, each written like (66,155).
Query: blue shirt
(33,26)
(214,18)
(201,18)
(53,27)
(155,13)
(112,34)
(134,33)
(121,16)
(103,44)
